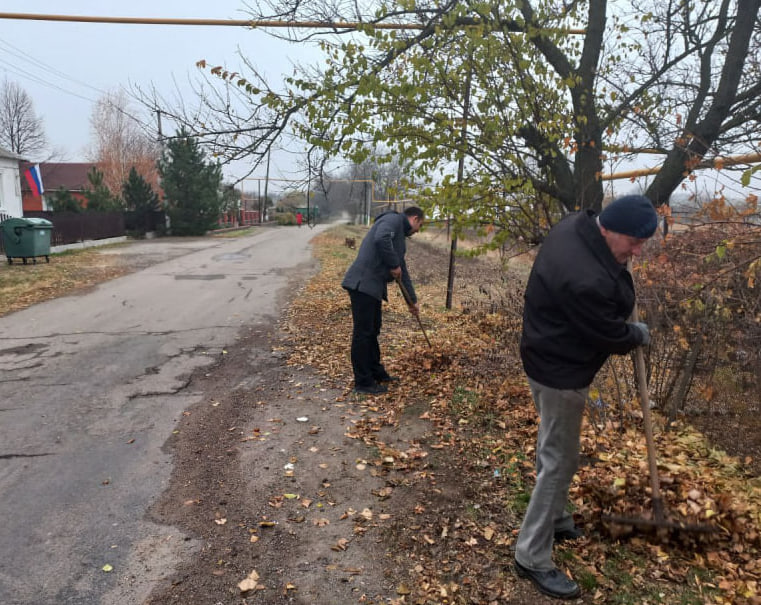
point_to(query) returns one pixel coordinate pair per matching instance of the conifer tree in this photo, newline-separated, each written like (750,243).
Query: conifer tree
(191,186)
(140,198)
(98,196)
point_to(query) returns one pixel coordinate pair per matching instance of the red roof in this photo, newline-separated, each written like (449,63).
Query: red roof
(72,176)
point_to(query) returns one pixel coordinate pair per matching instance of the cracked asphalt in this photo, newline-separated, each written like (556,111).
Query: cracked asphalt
(93,386)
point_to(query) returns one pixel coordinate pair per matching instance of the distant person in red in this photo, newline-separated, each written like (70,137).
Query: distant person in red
(299,218)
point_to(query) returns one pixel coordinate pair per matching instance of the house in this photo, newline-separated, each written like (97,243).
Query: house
(10,192)
(72,176)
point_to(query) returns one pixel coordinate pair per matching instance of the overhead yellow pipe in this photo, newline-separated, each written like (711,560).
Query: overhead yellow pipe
(716,163)
(230,22)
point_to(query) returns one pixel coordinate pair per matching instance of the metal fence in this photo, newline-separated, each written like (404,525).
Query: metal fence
(144,221)
(74,227)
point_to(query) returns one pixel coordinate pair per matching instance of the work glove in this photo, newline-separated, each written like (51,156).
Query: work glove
(644,331)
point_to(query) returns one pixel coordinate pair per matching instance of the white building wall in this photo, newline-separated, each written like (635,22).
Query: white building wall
(10,187)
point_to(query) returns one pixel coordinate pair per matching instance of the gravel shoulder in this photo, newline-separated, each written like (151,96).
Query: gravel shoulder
(268,479)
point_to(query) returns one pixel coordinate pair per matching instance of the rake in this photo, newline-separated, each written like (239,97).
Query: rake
(408,300)
(659,519)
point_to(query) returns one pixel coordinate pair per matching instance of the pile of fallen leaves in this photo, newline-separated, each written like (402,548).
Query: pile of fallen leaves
(470,479)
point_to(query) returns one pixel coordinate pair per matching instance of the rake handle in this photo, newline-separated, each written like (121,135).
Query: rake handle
(647,421)
(408,300)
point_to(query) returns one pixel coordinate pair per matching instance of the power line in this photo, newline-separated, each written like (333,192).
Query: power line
(24,56)
(20,73)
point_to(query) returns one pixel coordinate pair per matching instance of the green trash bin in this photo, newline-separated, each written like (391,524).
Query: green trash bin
(26,238)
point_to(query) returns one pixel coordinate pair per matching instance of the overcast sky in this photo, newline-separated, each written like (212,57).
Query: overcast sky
(66,67)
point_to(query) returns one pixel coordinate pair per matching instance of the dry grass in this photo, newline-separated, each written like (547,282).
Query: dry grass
(24,285)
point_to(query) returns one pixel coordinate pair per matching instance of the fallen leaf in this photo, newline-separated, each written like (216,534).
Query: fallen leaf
(342,544)
(251,582)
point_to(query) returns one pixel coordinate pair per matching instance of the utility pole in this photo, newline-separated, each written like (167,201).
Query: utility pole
(263,211)
(309,182)
(368,207)
(158,123)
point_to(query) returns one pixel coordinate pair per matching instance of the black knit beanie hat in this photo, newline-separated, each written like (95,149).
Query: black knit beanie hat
(632,215)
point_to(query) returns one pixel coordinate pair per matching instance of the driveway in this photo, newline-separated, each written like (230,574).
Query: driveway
(92,387)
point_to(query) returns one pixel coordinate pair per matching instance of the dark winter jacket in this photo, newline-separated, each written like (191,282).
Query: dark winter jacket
(577,303)
(382,249)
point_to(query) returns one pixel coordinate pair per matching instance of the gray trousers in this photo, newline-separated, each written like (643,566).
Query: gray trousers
(557,459)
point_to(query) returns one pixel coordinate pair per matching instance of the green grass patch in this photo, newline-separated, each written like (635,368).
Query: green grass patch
(463,403)
(623,569)
(237,232)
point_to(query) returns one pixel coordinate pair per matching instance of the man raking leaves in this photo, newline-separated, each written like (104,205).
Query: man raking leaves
(380,260)
(577,304)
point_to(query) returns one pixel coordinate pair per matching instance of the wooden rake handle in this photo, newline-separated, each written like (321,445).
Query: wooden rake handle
(647,421)
(408,300)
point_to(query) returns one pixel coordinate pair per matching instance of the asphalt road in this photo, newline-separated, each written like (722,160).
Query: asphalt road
(91,388)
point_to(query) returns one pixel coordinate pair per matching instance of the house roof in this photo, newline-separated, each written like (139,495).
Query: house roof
(72,176)
(5,153)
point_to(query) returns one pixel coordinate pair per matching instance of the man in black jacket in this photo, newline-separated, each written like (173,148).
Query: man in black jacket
(577,302)
(379,261)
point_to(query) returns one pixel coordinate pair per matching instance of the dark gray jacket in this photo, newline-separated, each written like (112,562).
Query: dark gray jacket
(577,303)
(382,249)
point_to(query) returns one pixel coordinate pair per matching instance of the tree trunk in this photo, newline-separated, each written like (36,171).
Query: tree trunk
(702,134)
(685,378)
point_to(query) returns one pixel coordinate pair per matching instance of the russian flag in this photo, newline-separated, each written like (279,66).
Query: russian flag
(34,178)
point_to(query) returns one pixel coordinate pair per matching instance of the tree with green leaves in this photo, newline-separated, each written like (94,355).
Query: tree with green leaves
(511,111)
(98,195)
(191,186)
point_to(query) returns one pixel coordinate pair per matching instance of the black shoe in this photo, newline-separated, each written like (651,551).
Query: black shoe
(387,378)
(553,582)
(564,535)
(372,389)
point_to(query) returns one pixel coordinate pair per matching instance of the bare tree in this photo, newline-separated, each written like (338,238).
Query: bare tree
(21,130)
(119,143)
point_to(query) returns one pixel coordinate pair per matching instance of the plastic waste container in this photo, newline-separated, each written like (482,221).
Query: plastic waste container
(26,238)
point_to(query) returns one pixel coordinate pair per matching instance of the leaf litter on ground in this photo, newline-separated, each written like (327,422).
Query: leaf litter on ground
(474,471)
